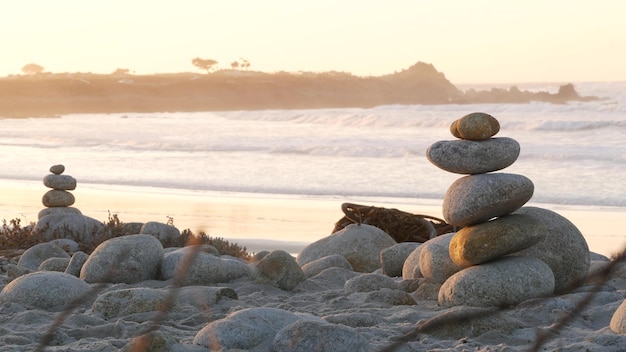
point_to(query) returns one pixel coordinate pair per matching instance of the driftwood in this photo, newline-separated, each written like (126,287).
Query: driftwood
(402,226)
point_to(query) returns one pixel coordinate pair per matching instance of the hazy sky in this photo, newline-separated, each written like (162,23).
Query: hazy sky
(471,41)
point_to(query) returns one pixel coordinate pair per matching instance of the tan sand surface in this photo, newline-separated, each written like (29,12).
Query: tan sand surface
(258,220)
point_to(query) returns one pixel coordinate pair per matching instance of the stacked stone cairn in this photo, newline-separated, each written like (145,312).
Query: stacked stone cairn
(58,200)
(504,253)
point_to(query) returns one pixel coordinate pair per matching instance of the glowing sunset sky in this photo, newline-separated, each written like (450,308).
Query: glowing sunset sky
(470,41)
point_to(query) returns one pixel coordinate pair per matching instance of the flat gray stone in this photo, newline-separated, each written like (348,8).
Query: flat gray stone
(60,182)
(477,198)
(57,210)
(474,157)
(502,282)
(369,282)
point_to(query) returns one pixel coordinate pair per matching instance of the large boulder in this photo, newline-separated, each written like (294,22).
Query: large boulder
(359,244)
(564,248)
(126,259)
(48,290)
(494,239)
(477,198)
(503,282)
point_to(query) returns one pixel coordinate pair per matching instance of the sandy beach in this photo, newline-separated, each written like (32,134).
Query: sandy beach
(263,221)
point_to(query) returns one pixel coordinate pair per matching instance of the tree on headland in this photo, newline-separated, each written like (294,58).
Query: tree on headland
(32,69)
(234,64)
(244,63)
(204,64)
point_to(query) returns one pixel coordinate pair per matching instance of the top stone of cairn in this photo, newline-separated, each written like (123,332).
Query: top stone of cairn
(57,169)
(476,126)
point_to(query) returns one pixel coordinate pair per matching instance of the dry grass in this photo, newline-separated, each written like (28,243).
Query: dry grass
(14,236)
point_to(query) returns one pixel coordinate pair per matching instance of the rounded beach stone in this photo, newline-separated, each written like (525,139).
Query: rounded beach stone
(392,259)
(279,269)
(474,157)
(411,266)
(79,228)
(60,182)
(245,329)
(477,198)
(129,301)
(476,126)
(58,210)
(435,263)
(313,335)
(37,254)
(54,264)
(126,259)
(164,232)
(76,263)
(502,282)
(369,282)
(494,239)
(315,267)
(58,198)
(57,169)
(359,244)
(204,269)
(49,290)
(452,324)
(564,248)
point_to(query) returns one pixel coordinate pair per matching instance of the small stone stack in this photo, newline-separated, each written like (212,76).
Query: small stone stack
(549,253)
(58,200)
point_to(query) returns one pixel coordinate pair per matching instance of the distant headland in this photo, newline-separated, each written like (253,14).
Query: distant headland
(52,94)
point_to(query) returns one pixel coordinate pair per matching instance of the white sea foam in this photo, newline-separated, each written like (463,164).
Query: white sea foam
(574,153)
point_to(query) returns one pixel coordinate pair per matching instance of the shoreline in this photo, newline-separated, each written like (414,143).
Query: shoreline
(266,221)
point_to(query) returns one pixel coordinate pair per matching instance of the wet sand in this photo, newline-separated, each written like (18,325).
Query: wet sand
(263,221)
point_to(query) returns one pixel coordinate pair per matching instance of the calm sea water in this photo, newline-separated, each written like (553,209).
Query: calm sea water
(574,153)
